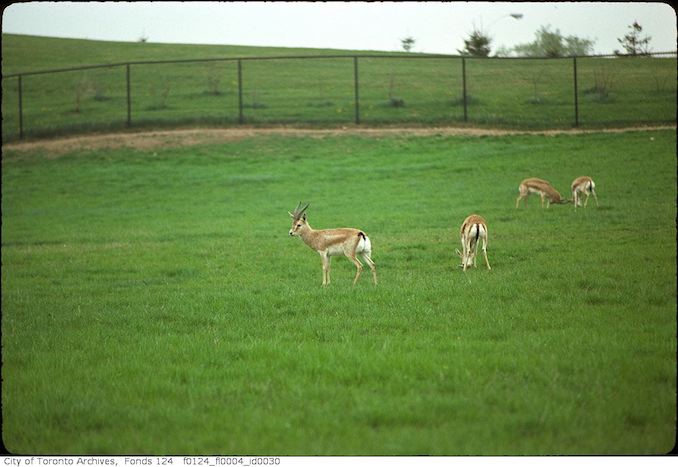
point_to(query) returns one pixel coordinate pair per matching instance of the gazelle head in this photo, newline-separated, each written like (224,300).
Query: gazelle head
(469,259)
(298,219)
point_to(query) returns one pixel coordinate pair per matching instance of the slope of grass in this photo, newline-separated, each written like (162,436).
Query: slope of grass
(153,301)
(22,53)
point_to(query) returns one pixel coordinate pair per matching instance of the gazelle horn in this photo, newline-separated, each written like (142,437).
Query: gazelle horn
(298,212)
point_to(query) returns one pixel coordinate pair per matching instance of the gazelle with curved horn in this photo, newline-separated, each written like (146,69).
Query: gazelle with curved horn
(542,188)
(334,242)
(583,185)
(473,230)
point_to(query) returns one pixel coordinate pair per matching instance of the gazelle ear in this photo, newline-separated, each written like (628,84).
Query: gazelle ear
(458,252)
(291,215)
(303,217)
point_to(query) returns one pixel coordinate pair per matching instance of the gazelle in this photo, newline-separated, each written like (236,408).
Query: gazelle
(473,230)
(334,242)
(542,188)
(583,185)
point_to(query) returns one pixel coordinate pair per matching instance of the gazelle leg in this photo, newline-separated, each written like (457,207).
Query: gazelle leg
(485,254)
(359,268)
(475,254)
(595,196)
(521,197)
(329,264)
(372,266)
(586,201)
(326,268)
(464,255)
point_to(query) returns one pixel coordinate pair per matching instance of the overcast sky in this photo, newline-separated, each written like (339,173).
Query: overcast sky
(437,27)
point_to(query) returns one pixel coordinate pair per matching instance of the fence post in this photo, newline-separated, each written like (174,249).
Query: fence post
(21,112)
(356,93)
(241,119)
(463,81)
(129,97)
(576,95)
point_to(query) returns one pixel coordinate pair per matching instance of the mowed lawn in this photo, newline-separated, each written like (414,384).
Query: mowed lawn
(154,303)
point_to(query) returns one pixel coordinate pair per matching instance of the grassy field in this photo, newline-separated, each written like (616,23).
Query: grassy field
(515,93)
(153,301)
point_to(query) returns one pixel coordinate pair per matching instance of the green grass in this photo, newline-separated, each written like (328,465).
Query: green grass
(531,93)
(153,301)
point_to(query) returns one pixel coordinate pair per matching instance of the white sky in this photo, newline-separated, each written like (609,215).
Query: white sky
(437,27)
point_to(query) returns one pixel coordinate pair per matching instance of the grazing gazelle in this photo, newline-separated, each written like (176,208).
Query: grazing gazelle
(473,229)
(334,242)
(583,185)
(542,188)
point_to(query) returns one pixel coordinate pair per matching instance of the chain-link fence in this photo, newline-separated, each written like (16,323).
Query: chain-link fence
(339,90)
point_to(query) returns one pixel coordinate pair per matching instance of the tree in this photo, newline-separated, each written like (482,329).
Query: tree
(633,43)
(578,46)
(143,37)
(477,44)
(549,43)
(407,43)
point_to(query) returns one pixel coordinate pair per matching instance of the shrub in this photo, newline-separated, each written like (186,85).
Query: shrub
(602,85)
(396,102)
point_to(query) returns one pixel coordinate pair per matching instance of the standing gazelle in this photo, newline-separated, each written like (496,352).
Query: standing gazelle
(334,242)
(473,229)
(542,188)
(583,185)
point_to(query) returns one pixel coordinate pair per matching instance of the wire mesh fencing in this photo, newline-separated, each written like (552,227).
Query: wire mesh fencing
(322,90)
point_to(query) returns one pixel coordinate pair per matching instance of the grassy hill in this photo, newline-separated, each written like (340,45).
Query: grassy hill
(392,89)
(21,53)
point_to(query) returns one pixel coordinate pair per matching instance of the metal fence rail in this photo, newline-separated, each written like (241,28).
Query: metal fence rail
(342,89)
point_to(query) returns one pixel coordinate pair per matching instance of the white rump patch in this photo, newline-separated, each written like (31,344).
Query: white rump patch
(364,245)
(479,230)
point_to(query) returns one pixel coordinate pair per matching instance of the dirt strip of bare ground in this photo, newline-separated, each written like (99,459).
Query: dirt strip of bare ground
(146,140)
